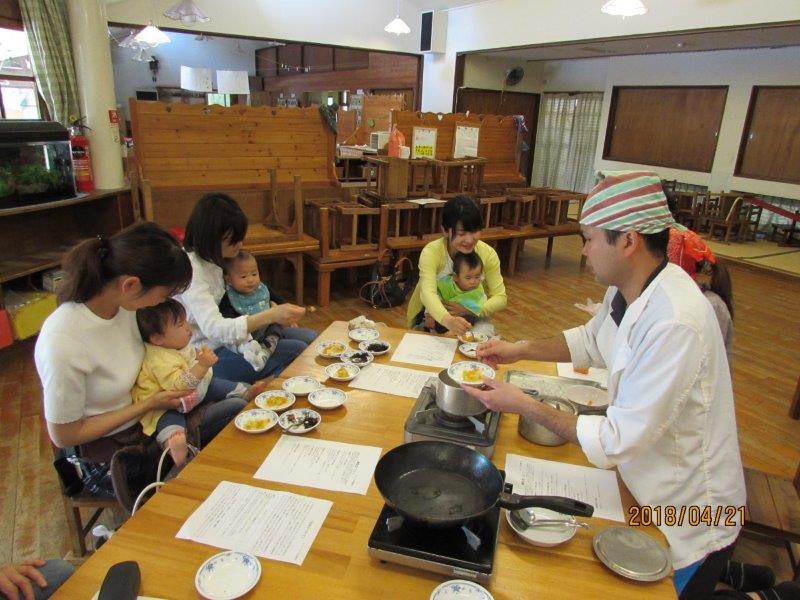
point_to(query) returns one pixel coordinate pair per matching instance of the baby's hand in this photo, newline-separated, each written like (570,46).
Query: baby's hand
(206,357)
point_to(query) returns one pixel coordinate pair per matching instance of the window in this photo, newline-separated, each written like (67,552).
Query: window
(18,96)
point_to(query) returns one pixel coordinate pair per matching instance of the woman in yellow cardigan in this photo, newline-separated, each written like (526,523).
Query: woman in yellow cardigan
(461,225)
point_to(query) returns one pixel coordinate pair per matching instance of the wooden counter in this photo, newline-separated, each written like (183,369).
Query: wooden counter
(338,566)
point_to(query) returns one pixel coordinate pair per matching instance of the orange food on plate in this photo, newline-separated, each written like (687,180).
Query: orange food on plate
(275,400)
(581,371)
(472,375)
(342,373)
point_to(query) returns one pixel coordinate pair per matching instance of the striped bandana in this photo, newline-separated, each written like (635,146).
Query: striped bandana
(627,201)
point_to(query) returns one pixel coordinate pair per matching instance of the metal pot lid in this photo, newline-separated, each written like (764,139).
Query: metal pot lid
(632,554)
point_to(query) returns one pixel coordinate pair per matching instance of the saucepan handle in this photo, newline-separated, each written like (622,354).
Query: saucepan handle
(567,506)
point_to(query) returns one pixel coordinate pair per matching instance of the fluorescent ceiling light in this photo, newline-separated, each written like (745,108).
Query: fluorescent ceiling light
(624,8)
(397,26)
(151,35)
(187,12)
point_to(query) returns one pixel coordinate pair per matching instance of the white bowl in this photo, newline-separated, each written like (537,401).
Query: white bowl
(350,354)
(587,395)
(469,349)
(285,420)
(460,589)
(330,349)
(366,344)
(256,420)
(544,535)
(301,385)
(327,398)
(227,575)
(456,372)
(361,334)
(332,371)
(276,400)
(472,336)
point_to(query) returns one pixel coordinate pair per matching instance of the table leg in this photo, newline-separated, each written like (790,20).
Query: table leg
(549,252)
(324,288)
(297,262)
(512,256)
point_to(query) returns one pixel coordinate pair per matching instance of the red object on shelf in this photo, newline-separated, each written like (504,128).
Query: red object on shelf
(81,162)
(6,337)
(177,233)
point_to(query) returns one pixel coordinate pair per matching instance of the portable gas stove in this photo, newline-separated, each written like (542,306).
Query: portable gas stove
(465,551)
(428,422)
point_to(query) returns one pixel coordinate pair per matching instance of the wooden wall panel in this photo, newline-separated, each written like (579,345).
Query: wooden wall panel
(10,15)
(377,111)
(217,147)
(770,147)
(290,58)
(665,126)
(497,142)
(267,62)
(348,59)
(318,59)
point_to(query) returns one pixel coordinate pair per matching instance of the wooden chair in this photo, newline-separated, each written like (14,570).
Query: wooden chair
(687,208)
(773,511)
(733,221)
(750,226)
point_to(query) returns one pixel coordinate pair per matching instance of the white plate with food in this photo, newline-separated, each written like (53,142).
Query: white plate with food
(327,398)
(256,420)
(227,575)
(357,357)
(330,349)
(364,334)
(299,420)
(276,400)
(342,371)
(301,385)
(546,534)
(469,349)
(473,336)
(470,372)
(376,347)
(587,395)
(460,589)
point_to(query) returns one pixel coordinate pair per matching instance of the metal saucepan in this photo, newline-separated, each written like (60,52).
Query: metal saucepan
(539,434)
(455,401)
(441,484)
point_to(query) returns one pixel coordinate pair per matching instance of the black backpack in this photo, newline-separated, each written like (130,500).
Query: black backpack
(388,286)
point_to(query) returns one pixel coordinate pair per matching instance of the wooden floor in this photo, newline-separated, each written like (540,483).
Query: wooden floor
(766,366)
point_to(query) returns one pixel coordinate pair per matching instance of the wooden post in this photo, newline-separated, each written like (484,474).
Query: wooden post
(324,232)
(383,229)
(147,196)
(298,205)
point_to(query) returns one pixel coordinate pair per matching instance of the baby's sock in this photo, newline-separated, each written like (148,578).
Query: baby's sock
(746,577)
(254,354)
(269,344)
(178,448)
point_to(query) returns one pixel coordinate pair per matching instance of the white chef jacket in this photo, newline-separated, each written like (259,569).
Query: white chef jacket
(670,427)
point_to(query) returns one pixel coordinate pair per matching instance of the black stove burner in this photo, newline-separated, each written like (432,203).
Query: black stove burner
(451,421)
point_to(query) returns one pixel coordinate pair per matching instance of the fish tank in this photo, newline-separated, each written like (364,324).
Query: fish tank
(35,163)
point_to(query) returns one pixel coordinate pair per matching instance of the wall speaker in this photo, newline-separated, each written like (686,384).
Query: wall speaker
(433,36)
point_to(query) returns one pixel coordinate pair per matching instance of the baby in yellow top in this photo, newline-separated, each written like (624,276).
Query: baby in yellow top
(171,363)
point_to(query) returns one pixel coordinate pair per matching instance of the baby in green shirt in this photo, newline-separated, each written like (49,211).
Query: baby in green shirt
(464,286)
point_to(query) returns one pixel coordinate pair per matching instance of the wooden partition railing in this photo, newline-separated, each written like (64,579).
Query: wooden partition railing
(498,141)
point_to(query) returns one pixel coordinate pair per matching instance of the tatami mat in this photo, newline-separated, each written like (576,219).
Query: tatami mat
(788,262)
(757,249)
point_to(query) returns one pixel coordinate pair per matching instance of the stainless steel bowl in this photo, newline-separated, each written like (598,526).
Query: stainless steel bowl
(539,434)
(455,401)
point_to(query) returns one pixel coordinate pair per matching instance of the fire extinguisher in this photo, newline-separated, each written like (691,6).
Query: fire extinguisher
(81,158)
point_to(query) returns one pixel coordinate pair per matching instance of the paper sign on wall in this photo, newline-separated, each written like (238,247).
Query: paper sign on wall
(423,143)
(465,140)
(195,80)
(233,82)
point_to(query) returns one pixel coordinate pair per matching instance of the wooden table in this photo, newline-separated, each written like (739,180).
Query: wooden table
(338,566)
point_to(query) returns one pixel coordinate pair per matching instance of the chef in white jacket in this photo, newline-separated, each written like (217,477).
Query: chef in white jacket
(670,428)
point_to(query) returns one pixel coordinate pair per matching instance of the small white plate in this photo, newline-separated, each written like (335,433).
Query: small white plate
(469,349)
(256,420)
(472,336)
(332,371)
(285,420)
(276,400)
(367,343)
(360,358)
(327,398)
(301,385)
(330,349)
(587,395)
(227,575)
(362,334)
(544,535)
(457,371)
(460,589)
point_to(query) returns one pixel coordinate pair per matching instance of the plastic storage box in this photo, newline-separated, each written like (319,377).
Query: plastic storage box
(28,310)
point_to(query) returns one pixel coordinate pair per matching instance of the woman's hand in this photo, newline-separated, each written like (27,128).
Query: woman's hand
(165,400)
(454,308)
(16,580)
(500,396)
(456,324)
(287,314)
(497,352)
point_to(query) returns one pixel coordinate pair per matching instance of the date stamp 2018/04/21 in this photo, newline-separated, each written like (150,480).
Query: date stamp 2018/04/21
(676,516)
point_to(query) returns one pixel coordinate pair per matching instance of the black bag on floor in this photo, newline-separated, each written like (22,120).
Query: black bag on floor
(388,285)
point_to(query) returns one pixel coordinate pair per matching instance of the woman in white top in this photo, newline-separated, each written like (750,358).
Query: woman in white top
(89,351)
(215,231)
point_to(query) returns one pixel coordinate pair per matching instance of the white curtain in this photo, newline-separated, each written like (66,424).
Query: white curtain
(566,141)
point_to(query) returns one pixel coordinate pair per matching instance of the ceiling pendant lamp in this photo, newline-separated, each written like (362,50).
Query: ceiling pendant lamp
(397,26)
(624,8)
(186,12)
(151,35)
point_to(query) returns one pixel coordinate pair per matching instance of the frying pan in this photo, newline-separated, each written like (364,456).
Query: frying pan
(441,484)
